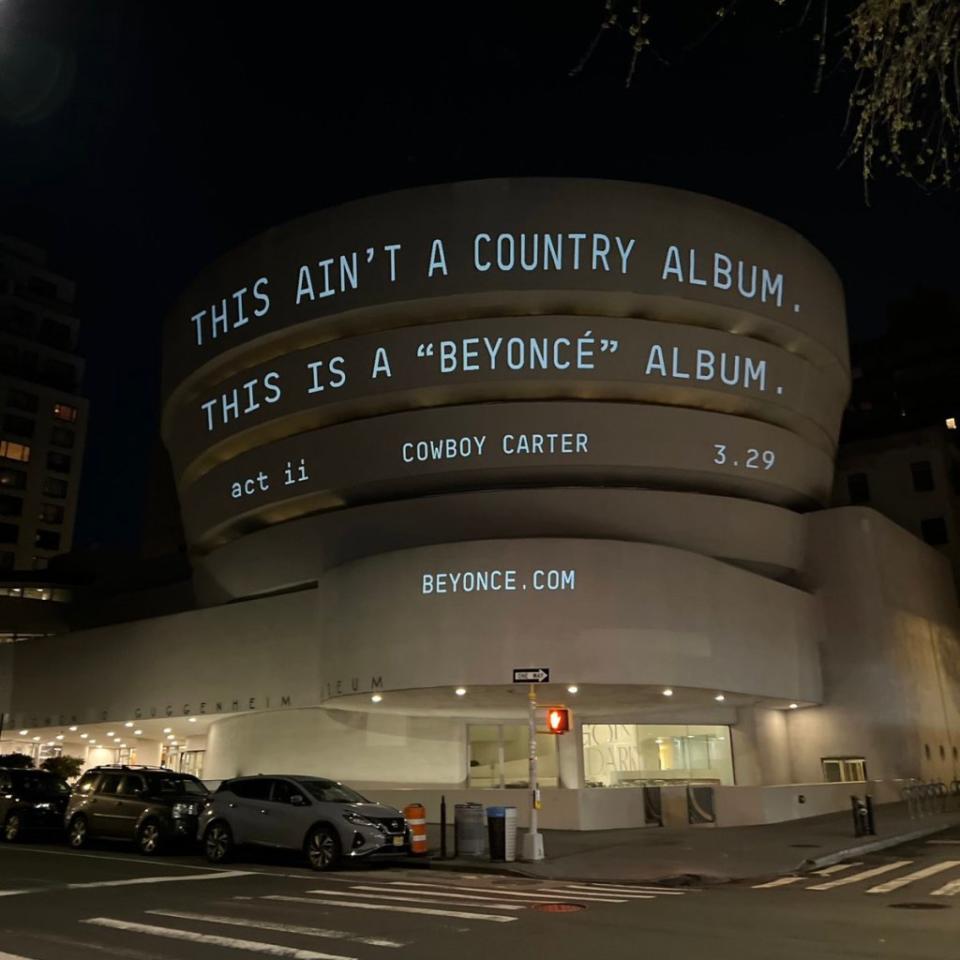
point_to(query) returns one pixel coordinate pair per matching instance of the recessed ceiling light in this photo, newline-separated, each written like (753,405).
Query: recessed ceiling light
(92,742)
(668,692)
(174,744)
(72,729)
(376,698)
(129,723)
(59,736)
(191,719)
(23,733)
(109,733)
(122,744)
(719,698)
(169,736)
(461,691)
(573,688)
(793,706)
(36,738)
(138,733)
(83,736)
(167,729)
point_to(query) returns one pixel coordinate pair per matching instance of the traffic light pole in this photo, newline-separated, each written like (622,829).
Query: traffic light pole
(533,840)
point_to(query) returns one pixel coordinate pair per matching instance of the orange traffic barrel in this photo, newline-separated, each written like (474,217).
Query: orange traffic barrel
(416,817)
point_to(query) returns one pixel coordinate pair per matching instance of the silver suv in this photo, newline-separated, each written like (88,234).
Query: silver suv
(325,819)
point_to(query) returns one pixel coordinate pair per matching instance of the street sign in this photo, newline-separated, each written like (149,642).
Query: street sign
(531,675)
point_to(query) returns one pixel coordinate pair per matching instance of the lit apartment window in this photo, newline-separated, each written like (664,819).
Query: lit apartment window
(922,476)
(14,451)
(63,411)
(49,512)
(858,486)
(58,461)
(951,423)
(934,531)
(47,539)
(54,487)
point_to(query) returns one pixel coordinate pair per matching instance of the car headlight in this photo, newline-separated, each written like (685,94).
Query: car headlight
(189,808)
(359,820)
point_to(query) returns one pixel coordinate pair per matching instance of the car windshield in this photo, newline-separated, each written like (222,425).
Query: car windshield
(327,791)
(40,783)
(172,784)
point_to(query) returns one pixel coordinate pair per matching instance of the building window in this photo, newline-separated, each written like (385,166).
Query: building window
(54,487)
(58,461)
(21,400)
(843,769)
(922,476)
(61,436)
(22,426)
(11,479)
(49,512)
(858,486)
(47,539)
(7,559)
(41,563)
(499,756)
(10,506)
(14,451)
(8,532)
(633,754)
(65,412)
(934,531)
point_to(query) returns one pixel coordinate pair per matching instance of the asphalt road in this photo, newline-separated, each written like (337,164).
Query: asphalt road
(57,904)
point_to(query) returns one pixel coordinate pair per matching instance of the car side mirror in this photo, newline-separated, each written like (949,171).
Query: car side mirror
(298,800)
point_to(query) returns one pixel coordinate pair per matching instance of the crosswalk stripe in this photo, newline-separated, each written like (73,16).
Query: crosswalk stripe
(279,927)
(458,914)
(864,875)
(943,842)
(506,893)
(899,882)
(218,875)
(836,868)
(779,882)
(604,888)
(950,889)
(253,946)
(583,895)
(432,898)
(11,956)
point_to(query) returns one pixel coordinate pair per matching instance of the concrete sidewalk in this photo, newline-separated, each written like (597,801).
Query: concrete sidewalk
(705,854)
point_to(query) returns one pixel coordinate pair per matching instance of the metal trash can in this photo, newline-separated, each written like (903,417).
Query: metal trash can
(502,830)
(468,830)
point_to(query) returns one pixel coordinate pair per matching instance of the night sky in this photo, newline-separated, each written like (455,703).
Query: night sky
(165,133)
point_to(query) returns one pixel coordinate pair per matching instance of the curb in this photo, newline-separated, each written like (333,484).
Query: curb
(872,846)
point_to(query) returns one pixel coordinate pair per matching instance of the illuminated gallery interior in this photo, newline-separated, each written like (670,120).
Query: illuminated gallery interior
(424,439)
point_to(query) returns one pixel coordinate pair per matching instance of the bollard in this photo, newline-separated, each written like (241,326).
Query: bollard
(871,822)
(443,827)
(860,822)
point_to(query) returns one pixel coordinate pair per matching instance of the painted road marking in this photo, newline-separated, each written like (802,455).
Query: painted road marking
(11,956)
(779,882)
(950,889)
(134,861)
(607,888)
(222,875)
(916,875)
(430,898)
(503,893)
(836,868)
(280,928)
(459,915)
(943,842)
(254,946)
(595,897)
(16,893)
(864,875)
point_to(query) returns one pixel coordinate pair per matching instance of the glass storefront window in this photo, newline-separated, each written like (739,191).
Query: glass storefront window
(499,756)
(632,754)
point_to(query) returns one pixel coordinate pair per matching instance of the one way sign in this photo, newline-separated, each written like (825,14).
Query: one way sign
(531,675)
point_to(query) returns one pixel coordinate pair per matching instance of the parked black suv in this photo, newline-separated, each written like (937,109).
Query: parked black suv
(30,800)
(152,806)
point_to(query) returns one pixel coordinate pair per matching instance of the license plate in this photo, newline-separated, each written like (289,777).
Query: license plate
(398,841)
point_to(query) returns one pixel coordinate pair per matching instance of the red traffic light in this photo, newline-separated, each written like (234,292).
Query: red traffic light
(558,719)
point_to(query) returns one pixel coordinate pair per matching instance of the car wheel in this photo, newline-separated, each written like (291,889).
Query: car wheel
(77,833)
(13,828)
(218,842)
(322,848)
(150,838)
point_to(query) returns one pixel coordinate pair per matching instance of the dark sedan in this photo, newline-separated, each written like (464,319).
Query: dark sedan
(31,801)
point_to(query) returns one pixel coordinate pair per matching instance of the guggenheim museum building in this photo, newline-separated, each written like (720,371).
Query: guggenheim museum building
(426,439)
